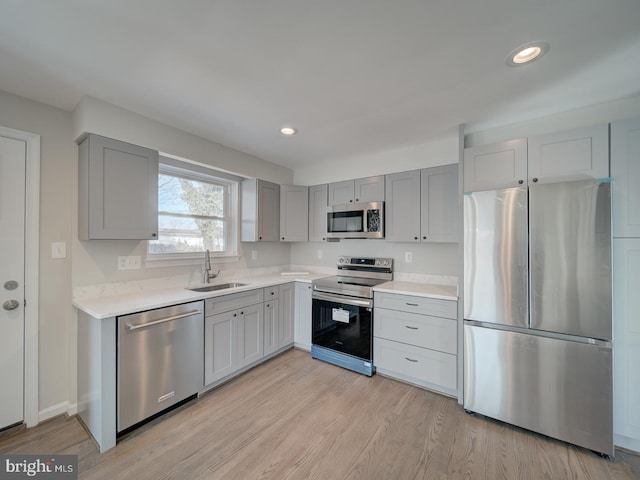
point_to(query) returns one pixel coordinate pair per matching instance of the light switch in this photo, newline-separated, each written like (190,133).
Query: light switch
(58,250)
(408,257)
(254,254)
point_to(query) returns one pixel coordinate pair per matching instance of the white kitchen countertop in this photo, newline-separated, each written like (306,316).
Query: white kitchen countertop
(107,302)
(113,305)
(431,290)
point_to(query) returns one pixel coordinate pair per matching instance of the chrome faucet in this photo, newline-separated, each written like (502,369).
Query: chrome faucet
(206,274)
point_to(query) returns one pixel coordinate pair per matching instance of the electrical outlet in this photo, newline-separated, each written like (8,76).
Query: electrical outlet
(254,254)
(58,250)
(129,263)
(408,257)
(319,254)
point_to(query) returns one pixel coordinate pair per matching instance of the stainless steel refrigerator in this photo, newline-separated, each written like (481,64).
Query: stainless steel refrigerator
(537,309)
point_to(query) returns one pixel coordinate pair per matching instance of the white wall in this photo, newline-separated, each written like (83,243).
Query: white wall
(95,116)
(583,117)
(438,151)
(57,160)
(95,261)
(428,258)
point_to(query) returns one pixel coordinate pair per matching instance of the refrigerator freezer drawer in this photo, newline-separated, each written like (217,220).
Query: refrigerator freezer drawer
(556,387)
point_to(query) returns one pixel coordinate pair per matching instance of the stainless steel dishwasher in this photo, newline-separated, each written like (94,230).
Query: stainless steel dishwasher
(160,361)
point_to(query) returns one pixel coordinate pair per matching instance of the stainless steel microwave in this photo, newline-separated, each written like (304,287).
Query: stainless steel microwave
(356,220)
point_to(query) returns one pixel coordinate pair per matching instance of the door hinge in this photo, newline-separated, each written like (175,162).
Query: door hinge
(25,303)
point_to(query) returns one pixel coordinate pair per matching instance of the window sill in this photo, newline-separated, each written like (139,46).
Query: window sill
(157,261)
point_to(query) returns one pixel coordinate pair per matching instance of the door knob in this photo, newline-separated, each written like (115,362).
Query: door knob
(11,304)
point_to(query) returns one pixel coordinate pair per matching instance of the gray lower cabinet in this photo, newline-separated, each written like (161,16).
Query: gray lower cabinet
(303,315)
(279,305)
(234,330)
(287,304)
(117,190)
(271,319)
(415,340)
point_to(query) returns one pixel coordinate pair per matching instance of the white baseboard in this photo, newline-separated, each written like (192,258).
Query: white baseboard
(63,408)
(632,444)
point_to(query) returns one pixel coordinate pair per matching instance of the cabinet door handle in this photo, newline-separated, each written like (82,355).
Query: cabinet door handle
(411,328)
(424,238)
(412,304)
(411,359)
(357,199)
(273,293)
(520,182)
(535,180)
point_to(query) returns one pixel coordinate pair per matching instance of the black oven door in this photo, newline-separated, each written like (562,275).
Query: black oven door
(343,324)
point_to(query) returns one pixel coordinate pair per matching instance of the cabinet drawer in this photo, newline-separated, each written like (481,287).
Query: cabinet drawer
(421,305)
(270,293)
(423,366)
(425,331)
(231,302)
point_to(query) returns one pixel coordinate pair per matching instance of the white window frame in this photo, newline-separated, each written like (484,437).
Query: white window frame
(199,172)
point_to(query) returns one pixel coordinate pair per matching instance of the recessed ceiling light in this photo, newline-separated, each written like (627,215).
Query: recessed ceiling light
(527,53)
(288,131)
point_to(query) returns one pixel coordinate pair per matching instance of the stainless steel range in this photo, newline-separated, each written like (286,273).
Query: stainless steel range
(342,318)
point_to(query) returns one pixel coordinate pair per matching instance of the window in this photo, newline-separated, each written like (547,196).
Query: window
(196,211)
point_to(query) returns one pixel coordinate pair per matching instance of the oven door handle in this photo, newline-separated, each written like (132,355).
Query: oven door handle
(340,299)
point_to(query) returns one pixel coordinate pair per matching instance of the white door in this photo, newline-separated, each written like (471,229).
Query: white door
(12,211)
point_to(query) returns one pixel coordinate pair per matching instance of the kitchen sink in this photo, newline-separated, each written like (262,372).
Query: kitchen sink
(220,286)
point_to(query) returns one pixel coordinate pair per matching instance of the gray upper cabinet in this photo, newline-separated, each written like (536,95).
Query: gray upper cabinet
(402,207)
(260,211)
(495,166)
(422,205)
(294,213)
(341,192)
(117,190)
(369,189)
(318,213)
(625,170)
(439,208)
(573,155)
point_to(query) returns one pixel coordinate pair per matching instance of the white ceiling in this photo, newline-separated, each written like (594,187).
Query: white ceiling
(354,76)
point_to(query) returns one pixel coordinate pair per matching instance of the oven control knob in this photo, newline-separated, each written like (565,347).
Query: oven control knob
(377,262)
(347,260)
(340,260)
(386,263)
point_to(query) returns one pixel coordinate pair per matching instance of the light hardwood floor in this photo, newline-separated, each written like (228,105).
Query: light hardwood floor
(298,418)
